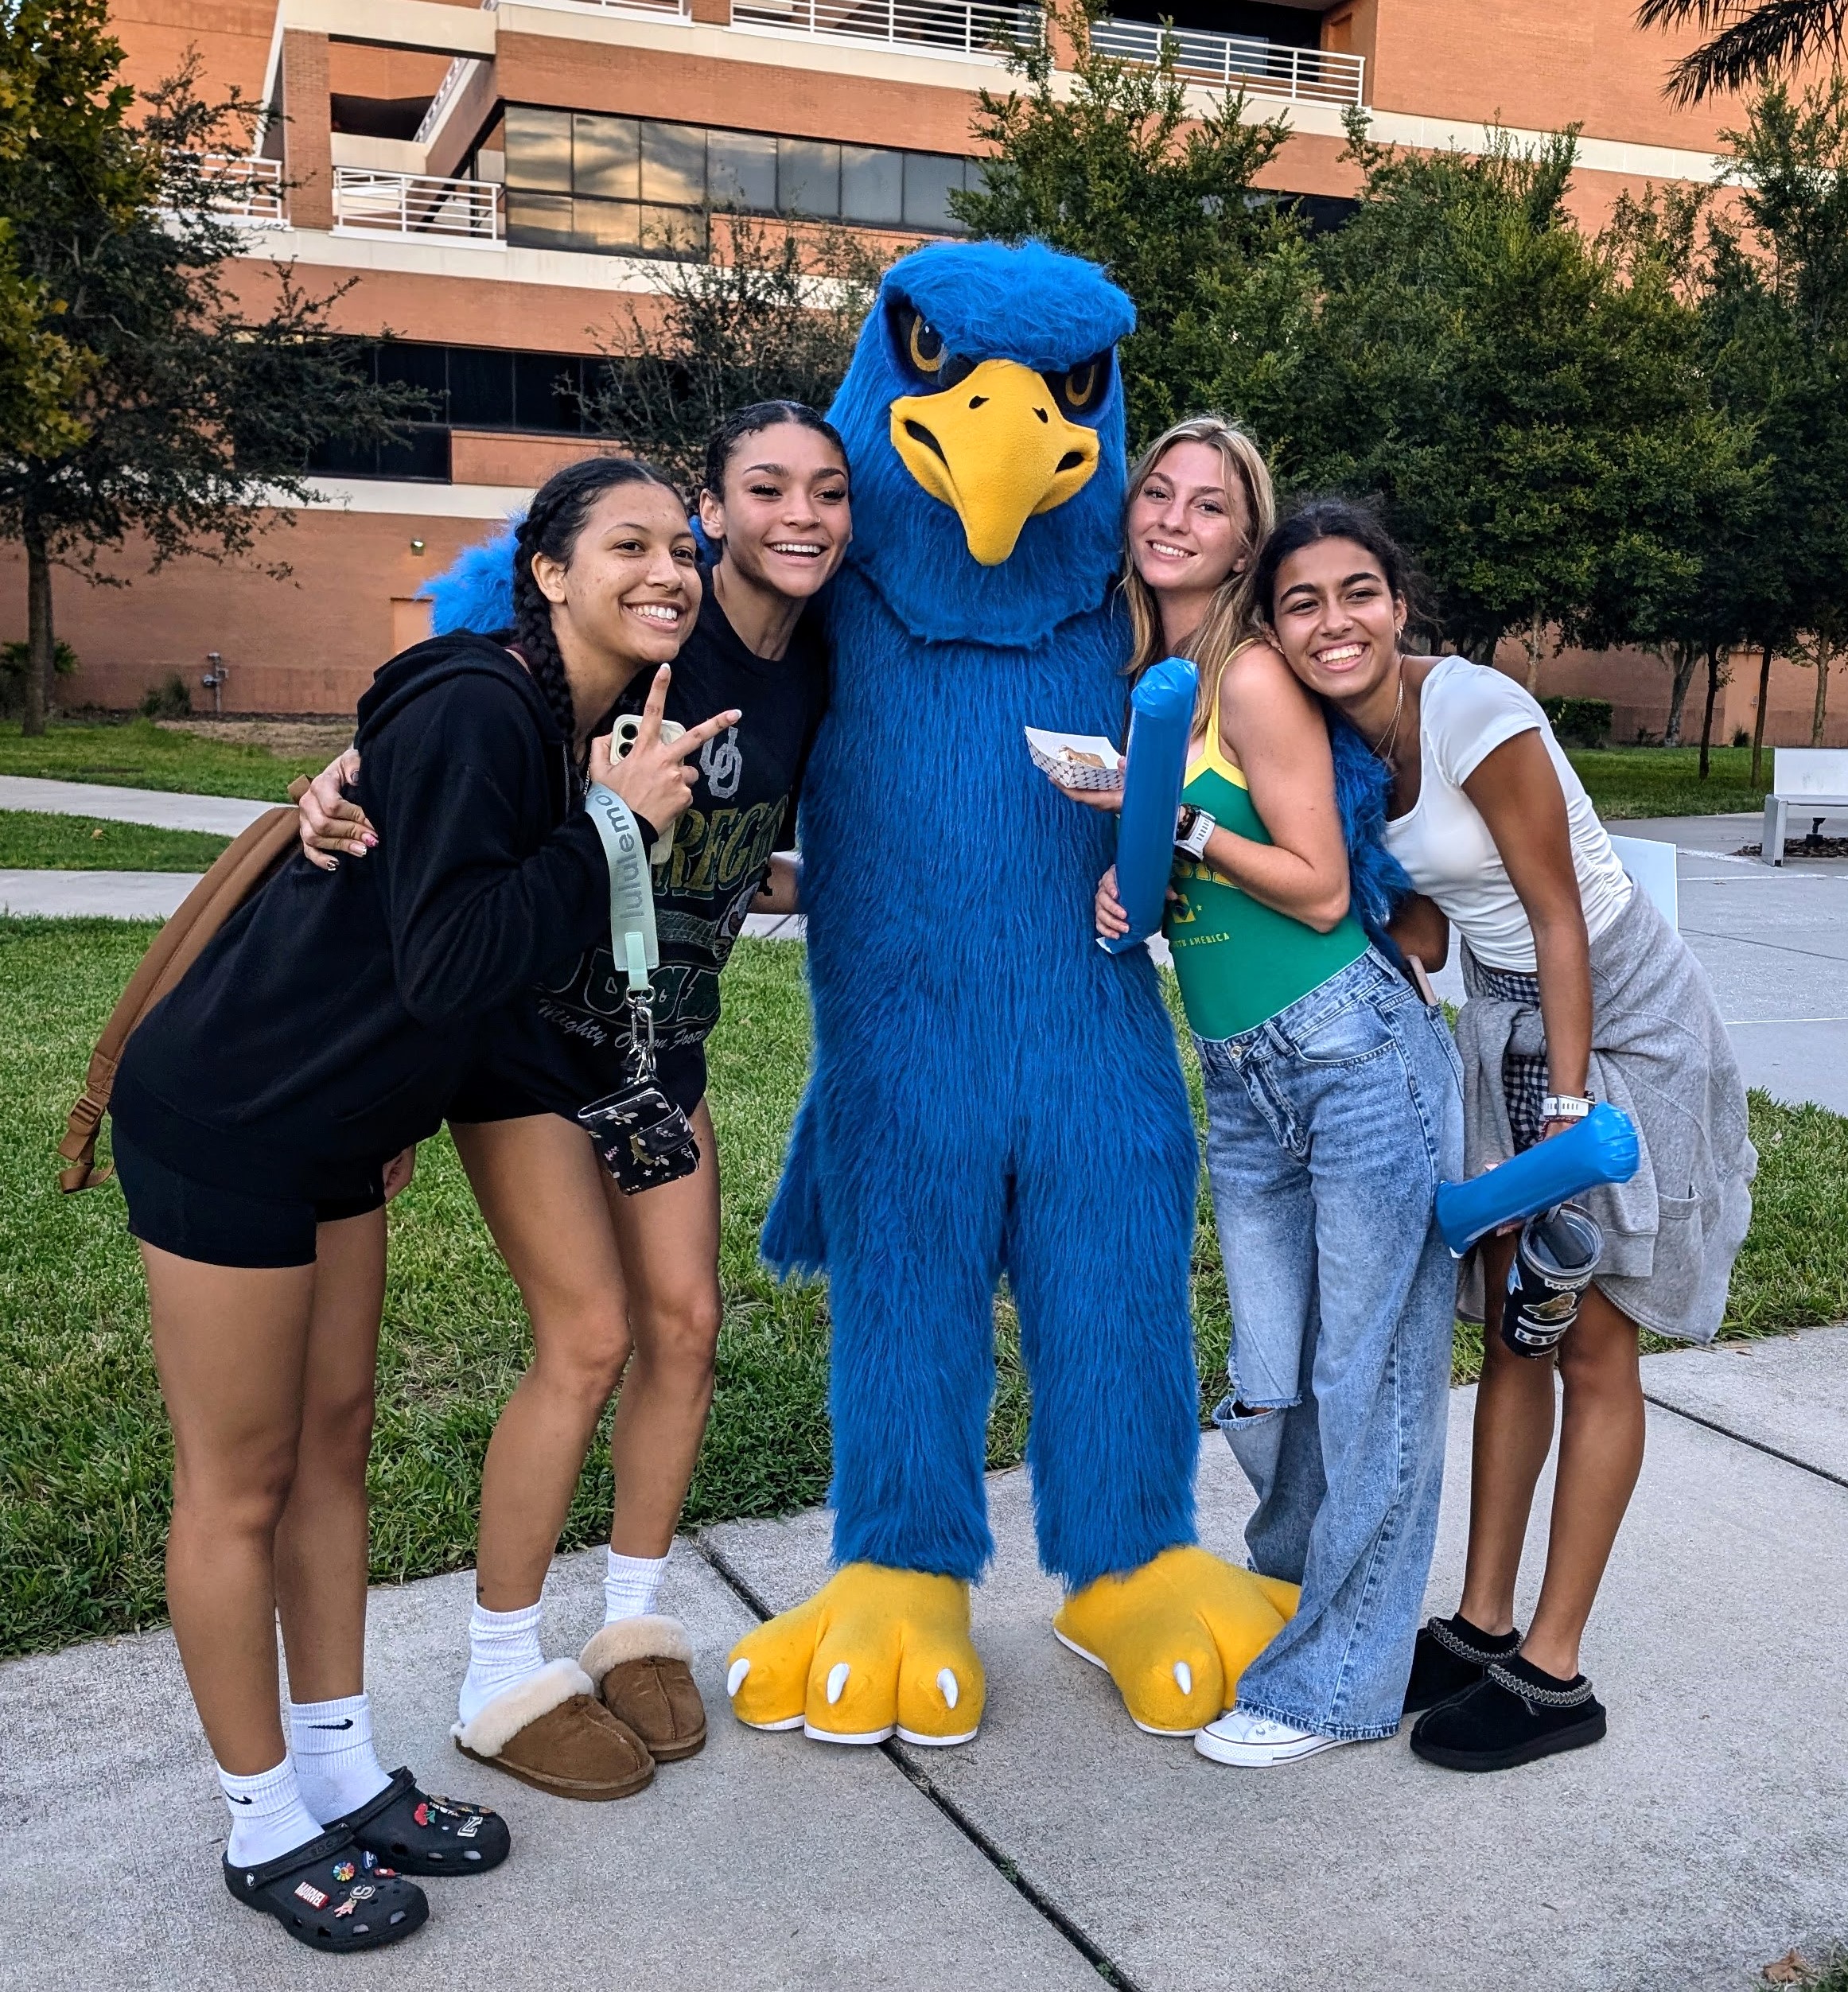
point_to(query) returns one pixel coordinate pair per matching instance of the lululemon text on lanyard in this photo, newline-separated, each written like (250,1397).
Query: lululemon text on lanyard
(632,938)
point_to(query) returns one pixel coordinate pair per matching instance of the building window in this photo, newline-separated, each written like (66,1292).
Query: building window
(464,387)
(628,185)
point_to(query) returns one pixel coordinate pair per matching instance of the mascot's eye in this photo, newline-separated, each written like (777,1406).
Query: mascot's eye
(926,343)
(1080,389)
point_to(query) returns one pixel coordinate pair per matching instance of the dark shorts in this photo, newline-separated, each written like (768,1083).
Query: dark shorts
(490,1095)
(176,1214)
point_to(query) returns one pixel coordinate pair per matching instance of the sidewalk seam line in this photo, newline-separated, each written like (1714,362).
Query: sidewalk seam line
(1105,1966)
(1757,1445)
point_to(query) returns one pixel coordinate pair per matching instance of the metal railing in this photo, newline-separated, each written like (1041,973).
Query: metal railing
(958,27)
(367,202)
(244,188)
(674,9)
(1238,62)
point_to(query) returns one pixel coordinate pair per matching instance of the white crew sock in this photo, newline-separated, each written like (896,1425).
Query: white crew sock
(630,1585)
(268,1816)
(335,1764)
(504,1650)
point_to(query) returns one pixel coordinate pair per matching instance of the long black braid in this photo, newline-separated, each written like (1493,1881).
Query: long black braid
(551,527)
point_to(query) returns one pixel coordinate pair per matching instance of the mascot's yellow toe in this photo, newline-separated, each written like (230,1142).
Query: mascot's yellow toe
(875,1651)
(1176,1634)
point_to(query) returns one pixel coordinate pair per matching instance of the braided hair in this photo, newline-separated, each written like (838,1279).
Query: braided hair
(551,527)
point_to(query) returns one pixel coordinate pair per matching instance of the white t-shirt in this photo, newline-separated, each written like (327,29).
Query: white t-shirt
(1466,711)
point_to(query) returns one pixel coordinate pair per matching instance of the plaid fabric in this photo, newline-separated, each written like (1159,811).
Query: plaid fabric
(1523,1078)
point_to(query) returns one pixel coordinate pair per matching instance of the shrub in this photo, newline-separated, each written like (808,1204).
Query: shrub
(13,658)
(1579,722)
(171,699)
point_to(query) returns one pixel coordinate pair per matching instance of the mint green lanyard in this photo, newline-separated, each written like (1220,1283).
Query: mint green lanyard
(632,897)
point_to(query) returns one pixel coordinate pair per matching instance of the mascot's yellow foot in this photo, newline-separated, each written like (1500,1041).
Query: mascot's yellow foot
(874,1651)
(1176,1634)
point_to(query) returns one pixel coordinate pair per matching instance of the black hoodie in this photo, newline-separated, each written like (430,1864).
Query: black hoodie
(325,1026)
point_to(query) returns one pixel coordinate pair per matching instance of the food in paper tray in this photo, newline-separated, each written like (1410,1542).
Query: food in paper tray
(1076,760)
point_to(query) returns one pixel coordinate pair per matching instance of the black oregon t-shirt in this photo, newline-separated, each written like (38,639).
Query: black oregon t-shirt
(566,1045)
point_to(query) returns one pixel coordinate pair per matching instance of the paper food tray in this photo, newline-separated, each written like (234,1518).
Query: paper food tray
(1053,753)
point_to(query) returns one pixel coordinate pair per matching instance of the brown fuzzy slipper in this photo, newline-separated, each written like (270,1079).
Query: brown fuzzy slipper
(552,1733)
(642,1668)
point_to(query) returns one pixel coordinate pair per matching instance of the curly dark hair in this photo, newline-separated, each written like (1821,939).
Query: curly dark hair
(551,527)
(750,421)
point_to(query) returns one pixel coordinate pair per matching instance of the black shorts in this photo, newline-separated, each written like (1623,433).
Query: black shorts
(192,1219)
(487,1095)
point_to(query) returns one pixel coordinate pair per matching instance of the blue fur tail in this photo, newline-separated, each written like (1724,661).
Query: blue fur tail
(793,1243)
(1377,882)
(476,590)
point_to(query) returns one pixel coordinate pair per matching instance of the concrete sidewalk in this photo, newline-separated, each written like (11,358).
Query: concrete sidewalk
(1702,1838)
(222,816)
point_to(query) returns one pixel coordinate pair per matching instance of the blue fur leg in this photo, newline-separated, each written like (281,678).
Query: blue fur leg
(1098,1265)
(913,1360)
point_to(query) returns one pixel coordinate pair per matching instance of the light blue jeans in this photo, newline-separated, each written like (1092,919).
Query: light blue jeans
(1328,1128)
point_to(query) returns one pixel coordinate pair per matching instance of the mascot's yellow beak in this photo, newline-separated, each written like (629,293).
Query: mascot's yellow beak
(996,448)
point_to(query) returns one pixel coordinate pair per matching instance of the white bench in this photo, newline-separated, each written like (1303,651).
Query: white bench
(1815,779)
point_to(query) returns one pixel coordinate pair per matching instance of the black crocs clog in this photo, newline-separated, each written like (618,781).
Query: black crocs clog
(331,1896)
(417,1835)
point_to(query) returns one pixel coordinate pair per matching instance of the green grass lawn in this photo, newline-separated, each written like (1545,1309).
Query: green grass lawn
(136,753)
(1665,781)
(85,1455)
(33,842)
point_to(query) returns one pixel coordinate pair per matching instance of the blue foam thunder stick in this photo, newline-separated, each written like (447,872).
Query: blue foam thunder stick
(1600,1149)
(1161,721)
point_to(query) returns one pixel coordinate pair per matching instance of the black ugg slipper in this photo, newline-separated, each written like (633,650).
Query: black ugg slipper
(1452,1655)
(417,1835)
(1513,1715)
(331,1896)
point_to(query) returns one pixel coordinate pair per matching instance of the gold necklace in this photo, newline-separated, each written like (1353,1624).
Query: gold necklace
(1387,741)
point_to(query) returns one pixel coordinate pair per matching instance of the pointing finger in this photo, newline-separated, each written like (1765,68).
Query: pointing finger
(696,737)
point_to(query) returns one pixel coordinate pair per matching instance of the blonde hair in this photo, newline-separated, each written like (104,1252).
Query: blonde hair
(1229,619)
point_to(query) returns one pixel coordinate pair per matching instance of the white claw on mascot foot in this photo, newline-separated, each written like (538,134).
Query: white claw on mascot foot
(735,1678)
(837,1682)
(1184,1677)
(947,1681)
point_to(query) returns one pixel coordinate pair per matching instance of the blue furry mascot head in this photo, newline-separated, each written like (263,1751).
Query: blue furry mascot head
(984,417)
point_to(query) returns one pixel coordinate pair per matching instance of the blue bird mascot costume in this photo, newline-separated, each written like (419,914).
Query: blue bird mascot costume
(991,1093)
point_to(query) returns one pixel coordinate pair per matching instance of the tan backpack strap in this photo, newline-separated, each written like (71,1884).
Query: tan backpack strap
(234,874)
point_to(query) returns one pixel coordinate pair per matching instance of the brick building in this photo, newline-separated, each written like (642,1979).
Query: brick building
(497,178)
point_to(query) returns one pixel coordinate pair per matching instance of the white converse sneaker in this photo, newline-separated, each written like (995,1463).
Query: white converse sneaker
(1254,1743)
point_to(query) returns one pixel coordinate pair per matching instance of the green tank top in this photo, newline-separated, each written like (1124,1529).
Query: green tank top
(1240,961)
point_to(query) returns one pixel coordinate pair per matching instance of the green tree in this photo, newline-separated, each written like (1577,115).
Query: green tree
(771,316)
(1776,312)
(1112,161)
(1748,41)
(180,418)
(1527,403)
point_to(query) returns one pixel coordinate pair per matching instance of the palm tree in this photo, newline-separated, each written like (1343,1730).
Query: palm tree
(1754,39)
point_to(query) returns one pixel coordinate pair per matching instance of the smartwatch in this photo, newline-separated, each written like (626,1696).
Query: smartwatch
(1191,828)
(1564,1107)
